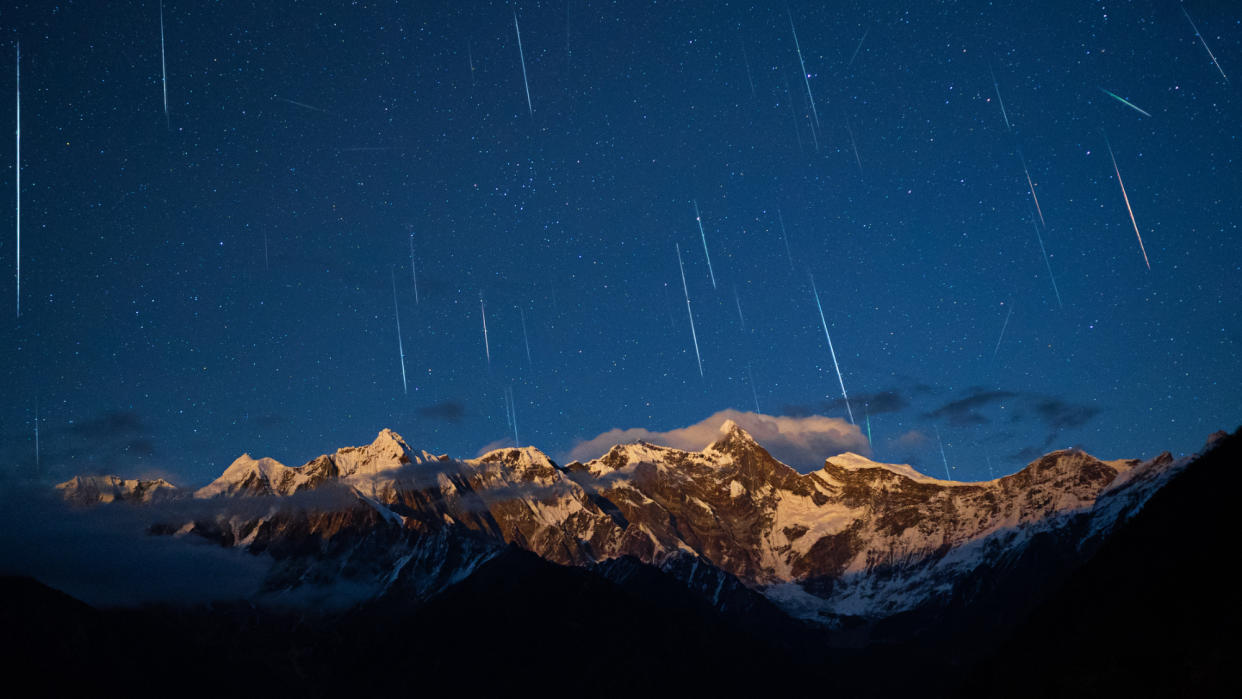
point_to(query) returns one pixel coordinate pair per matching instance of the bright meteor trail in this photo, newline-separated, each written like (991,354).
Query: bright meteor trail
(163,68)
(1125,101)
(522,55)
(805,78)
(1047,264)
(996,85)
(400,347)
(689,312)
(699,220)
(486,345)
(1031,184)
(832,351)
(1127,198)
(1205,46)
(18,172)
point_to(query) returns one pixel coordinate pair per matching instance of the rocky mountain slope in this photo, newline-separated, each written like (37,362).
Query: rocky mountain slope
(853,540)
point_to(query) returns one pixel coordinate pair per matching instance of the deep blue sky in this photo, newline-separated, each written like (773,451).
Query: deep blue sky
(221,282)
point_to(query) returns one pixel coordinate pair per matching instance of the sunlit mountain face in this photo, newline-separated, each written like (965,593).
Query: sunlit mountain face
(849,325)
(380,552)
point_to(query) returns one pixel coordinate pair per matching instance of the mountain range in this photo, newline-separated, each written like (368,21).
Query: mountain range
(726,549)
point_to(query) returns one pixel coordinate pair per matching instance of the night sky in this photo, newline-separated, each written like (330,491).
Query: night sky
(221,280)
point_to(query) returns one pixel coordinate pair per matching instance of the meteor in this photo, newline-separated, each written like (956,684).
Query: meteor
(998,99)
(17,167)
(754,394)
(1002,333)
(685,289)
(1127,198)
(943,458)
(400,347)
(699,220)
(522,55)
(486,346)
(1048,264)
(413,271)
(1031,184)
(805,78)
(832,351)
(738,302)
(858,48)
(785,237)
(163,68)
(525,337)
(1125,101)
(1205,46)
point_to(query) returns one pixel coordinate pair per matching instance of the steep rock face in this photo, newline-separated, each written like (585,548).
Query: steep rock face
(854,538)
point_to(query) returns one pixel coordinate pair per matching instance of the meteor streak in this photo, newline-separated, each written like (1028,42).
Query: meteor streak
(858,48)
(413,271)
(1127,198)
(805,78)
(832,351)
(486,346)
(18,172)
(1125,101)
(689,312)
(525,338)
(1031,184)
(400,347)
(998,99)
(1205,46)
(699,220)
(522,55)
(1047,264)
(738,302)
(163,68)
(943,457)
(785,237)
(1002,333)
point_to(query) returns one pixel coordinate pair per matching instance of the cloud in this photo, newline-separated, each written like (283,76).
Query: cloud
(104,556)
(449,411)
(800,441)
(1058,414)
(889,401)
(964,412)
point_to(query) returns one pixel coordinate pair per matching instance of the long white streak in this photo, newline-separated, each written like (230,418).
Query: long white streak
(785,237)
(266,266)
(805,78)
(522,55)
(1127,198)
(1031,184)
(513,414)
(163,68)
(832,351)
(684,288)
(36,432)
(996,85)
(854,144)
(858,48)
(487,347)
(754,394)
(1205,46)
(749,79)
(18,171)
(1002,333)
(741,318)
(413,271)
(943,458)
(400,345)
(525,337)
(1047,264)
(867,415)
(699,220)
(508,414)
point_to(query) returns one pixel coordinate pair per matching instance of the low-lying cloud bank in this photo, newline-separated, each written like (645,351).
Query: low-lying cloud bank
(801,442)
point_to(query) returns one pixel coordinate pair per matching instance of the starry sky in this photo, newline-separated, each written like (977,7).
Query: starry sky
(219,278)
